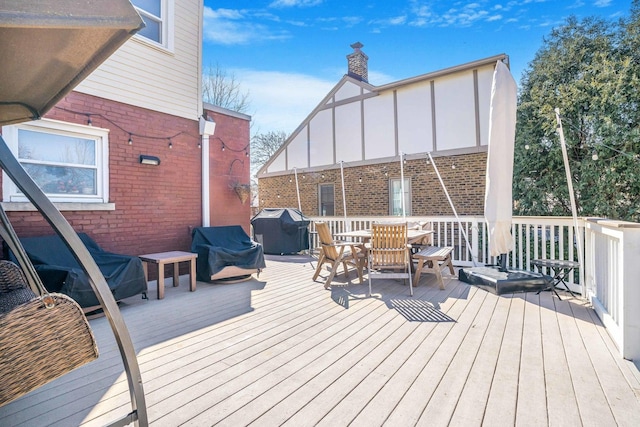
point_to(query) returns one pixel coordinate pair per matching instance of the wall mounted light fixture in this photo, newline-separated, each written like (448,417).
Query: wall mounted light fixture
(149,160)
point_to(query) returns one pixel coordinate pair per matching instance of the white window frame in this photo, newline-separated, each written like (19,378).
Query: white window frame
(407,195)
(166,25)
(101,136)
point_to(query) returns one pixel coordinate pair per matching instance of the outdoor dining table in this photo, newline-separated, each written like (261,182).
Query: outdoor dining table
(413,236)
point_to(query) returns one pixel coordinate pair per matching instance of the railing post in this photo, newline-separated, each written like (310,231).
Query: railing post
(475,240)
(631,294)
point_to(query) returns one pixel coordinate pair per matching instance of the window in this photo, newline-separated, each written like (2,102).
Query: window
(69,162)
(155,14)
(326,202)
(395,196)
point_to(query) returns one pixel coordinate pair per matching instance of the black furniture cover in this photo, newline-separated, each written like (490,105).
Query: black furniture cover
(60,272)
(281,230)
(219,247)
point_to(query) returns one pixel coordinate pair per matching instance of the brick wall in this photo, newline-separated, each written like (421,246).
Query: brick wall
(155,206)
(229,167)
(367,187)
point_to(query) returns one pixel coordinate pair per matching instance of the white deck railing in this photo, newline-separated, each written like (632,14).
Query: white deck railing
(612,258)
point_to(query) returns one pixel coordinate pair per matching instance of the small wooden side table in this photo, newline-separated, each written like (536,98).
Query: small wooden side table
(172,257)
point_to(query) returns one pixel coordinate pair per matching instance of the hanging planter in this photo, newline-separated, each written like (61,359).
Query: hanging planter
(243,191)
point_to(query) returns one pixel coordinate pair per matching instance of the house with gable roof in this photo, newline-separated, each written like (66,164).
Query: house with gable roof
(132,156)
(360,132)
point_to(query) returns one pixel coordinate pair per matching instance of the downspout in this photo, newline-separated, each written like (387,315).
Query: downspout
(207,128)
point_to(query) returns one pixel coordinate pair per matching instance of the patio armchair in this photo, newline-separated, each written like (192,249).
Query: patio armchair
(226,253)
(389,253)
(335,253)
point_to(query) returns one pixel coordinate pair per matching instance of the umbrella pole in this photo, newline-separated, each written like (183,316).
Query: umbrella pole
(455,213)
(574,210)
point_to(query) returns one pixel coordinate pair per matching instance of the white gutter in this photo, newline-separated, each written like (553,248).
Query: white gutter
(207,128)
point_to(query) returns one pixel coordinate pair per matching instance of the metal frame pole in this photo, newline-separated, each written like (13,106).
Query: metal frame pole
(58,222)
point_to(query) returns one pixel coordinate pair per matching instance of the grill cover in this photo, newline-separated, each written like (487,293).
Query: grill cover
(281,230)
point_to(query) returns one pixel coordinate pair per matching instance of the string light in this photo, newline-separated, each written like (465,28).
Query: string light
(170,144)
(225,146)
(131,134)
(199,144)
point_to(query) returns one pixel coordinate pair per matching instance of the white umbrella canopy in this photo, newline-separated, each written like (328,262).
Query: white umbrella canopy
(498,203)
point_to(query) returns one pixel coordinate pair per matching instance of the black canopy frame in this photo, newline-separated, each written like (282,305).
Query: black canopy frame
(48,47)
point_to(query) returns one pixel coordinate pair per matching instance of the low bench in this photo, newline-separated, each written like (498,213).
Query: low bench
(431,259)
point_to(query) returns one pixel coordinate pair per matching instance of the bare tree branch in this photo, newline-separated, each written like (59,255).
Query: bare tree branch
(222,89)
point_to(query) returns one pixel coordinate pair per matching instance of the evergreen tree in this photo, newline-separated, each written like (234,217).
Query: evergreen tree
(590,70)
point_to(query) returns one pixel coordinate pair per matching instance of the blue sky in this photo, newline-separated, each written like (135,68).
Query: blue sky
(288,54)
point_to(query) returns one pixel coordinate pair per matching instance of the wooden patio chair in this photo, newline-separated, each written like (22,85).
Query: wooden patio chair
(337,252)
(389,253)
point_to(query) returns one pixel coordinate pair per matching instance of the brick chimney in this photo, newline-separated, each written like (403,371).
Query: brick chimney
(357,62)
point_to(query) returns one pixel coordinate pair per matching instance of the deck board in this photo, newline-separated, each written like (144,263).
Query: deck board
(282,350)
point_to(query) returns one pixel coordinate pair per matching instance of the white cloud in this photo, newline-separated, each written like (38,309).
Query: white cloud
(231,27)
(295,3)
(602,3)
(280,100)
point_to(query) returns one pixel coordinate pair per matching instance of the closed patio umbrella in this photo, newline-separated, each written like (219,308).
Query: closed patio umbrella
(499,176)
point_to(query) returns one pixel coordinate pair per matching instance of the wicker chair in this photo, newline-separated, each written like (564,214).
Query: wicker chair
(41,337)
(336,252)
(389,253)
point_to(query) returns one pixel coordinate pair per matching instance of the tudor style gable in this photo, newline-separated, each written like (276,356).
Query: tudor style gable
(444,112)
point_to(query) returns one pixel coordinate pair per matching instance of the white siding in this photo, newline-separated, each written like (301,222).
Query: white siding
(436,113)
(485,79)
(414,119)
(348,132)
(379,126)
(455,112)
(297,151)
(321,139)
(150,77)
(348,90)
(279,163)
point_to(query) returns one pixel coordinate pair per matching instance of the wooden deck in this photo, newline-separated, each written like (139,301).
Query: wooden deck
(282,350)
